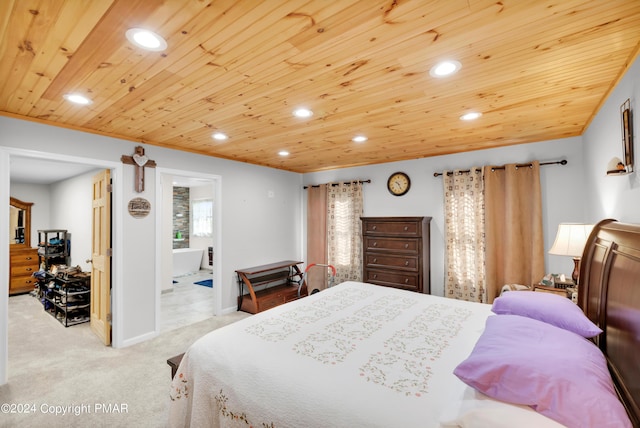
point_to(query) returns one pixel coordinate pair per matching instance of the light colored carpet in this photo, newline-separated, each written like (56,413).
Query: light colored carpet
(53,368)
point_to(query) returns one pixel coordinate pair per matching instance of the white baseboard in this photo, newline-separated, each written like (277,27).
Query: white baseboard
(139,339)
(229,310)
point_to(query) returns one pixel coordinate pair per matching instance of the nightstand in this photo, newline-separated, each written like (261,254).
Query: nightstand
(545,289)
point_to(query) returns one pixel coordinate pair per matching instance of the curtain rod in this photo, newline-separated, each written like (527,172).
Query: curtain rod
(560,162)
(337,184)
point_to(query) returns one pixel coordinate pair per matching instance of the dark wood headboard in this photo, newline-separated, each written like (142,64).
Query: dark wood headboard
(609,294)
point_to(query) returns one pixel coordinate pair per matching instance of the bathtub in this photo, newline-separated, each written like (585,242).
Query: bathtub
(186,261)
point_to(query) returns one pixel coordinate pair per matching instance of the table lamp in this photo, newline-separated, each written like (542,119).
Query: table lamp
(570,241)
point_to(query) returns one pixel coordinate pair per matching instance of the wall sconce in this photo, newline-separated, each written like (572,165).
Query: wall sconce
(622,166)
(616,167)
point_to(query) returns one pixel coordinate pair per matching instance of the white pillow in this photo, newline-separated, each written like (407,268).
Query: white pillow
(477,410)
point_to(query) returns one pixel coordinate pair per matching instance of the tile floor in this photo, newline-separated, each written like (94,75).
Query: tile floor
(188,303)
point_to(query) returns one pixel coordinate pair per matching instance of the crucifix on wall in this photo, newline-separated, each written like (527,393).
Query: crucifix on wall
(139,160)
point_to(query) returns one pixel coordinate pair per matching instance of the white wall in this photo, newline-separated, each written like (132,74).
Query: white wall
(139,270)
(256,229)
(4,267)
(71,210)
(562,191)
(62,205)
(615,197)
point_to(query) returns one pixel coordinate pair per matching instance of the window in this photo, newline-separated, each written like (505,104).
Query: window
(343,252)
(344,231)
(202,218)
(464,227)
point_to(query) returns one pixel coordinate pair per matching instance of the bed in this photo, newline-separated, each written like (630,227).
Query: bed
(361,355)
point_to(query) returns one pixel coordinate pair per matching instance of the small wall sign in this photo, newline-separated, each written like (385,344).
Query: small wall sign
(139,207)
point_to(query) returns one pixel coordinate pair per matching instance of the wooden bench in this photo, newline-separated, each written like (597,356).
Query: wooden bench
(174,363)
(282,282)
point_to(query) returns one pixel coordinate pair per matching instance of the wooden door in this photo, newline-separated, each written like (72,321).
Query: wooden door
(101,257)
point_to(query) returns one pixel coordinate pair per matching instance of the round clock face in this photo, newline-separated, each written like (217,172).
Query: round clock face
(398,183)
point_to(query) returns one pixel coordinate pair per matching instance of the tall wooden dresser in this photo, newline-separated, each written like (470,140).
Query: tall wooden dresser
(24,262)
(396,252)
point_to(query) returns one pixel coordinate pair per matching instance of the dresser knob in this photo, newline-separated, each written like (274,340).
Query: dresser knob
(375,244)
(406,245)
(375,260)
(406,280)
(406,262)
(29,269)
(28,258)
(374,227)
(406,228)
(375,276)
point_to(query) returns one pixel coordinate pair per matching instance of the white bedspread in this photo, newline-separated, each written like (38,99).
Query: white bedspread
(354,355)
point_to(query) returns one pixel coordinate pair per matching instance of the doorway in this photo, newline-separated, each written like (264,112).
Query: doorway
(50,168)
(176,289)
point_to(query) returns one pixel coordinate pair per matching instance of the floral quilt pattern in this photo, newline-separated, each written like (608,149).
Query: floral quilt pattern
(179,387)
(387,344)
(404,366)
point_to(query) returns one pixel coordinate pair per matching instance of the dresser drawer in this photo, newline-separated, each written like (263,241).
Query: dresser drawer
(24,257)
(21,284)
(407,228)
(383,260)
(271,297)
(24,262)
(23,270)
(270,302)
(397,245)
(406,281)
(395,252)
(21,281)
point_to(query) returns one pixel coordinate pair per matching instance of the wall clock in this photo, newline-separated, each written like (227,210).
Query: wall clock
(398,183)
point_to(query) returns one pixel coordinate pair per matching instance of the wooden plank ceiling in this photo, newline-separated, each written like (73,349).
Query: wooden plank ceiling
(536,69)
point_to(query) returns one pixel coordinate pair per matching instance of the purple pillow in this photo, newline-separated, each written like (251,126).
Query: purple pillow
(546,307)
(561,375)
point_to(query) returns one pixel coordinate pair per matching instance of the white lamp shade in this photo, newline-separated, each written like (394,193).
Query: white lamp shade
(571,239)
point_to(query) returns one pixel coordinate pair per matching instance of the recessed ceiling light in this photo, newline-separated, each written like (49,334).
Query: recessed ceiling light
(283,153)
(77,99)
(445,68)
(471,116)
(219,136)
(359,139)
(146,39)
(302,112)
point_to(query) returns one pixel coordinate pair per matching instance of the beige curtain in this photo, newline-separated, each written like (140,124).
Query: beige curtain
(464,234)
(513,227)
(317,236)
(344,230)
